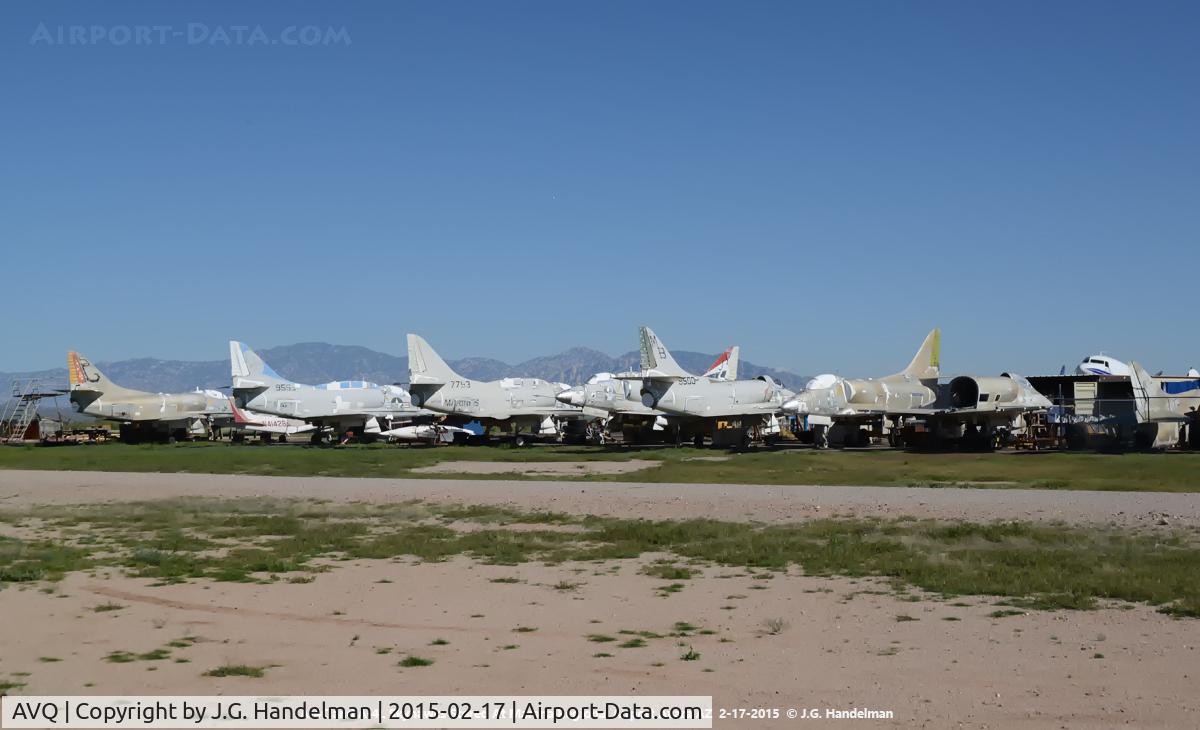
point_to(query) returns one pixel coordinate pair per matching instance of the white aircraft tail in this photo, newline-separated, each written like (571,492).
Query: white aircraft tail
(86,377)
(1155,404)
(249,370)
(926,363)
(425,365)
(726,366)
(657,361)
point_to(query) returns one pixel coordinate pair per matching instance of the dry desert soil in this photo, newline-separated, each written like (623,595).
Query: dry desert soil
(792,641)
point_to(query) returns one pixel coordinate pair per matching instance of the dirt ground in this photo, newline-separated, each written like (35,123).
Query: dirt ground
(560,468)
(770,504)
(839,643)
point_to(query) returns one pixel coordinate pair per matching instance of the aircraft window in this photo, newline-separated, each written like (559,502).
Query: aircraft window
(983,397)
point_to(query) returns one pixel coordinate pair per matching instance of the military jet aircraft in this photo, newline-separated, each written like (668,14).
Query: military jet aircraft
(143,416)
(968,409)
(730,412)
(266,425)
(353,408)
(1162,408)
(515,404)
(829,398)
(617,401)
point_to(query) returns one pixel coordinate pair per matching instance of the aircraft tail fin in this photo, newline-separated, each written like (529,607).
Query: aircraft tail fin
(248,369)
(238,416)
(926,363)
(425,365)
(1171,401)
(726,365)
(84,376)
(1149,399)
(657,361)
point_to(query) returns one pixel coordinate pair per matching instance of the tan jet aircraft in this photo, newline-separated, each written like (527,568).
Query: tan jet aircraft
(144,416)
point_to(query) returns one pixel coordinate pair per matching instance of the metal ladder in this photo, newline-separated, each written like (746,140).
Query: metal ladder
(20,411)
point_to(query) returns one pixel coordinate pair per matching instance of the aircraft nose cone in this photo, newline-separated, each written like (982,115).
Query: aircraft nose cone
(795,405)
(572,397)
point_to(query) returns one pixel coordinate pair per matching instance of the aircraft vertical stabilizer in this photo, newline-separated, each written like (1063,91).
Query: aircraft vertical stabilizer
(726,365)
(657,361)
(1151,401)
(84,376)
(248,369)
(425,365)
(926,363)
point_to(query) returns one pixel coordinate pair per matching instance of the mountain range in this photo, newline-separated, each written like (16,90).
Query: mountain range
(319,362)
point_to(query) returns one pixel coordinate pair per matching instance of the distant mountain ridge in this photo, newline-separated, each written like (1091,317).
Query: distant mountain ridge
(319,362)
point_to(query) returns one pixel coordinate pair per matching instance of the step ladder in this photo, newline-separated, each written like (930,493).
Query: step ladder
(20,411)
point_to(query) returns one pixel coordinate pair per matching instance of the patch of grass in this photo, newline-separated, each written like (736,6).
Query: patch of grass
(951,618)
(439,642)
(155,655)
(510,647)
(601,655)
(775,626)
(504,580)
(525,629)
(120,657)
(7,686)
(690,655)
(236,670)
(1036,566)
(600,638)
(669,571)
(415,661)
(902,617)
(1049,470)
(566,585)
(635,643)
(1005,612)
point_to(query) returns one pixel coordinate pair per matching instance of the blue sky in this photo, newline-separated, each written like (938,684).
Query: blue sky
(819,182)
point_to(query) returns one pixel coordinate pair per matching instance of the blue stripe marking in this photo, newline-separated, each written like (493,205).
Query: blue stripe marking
(1180,387)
